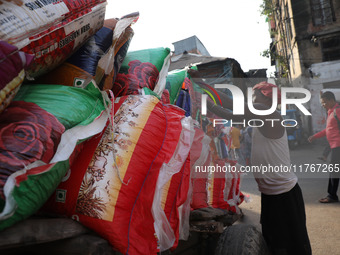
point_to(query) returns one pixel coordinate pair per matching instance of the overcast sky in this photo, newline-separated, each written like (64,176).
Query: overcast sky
(227,28)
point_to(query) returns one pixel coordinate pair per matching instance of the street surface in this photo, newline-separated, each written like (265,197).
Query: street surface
(323,220)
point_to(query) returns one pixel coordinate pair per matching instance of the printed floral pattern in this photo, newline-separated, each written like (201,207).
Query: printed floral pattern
(139,75)
(27,133)
(90,202)
(146,73)
(124,119)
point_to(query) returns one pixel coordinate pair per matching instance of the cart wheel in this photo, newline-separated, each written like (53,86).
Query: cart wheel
(241,239)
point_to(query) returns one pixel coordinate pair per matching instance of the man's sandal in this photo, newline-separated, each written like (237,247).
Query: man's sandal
(328,200)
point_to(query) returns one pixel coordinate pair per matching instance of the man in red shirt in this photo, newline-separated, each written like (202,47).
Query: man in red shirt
(332,133)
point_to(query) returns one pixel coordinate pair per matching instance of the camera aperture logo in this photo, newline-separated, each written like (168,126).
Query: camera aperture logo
(238,104)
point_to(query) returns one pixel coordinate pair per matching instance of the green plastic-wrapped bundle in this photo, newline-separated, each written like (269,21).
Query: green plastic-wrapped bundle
(41,132)
(143,68)
(174,82)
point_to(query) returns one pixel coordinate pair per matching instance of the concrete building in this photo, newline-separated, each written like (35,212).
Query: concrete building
(190,45)
(305,49)
(219,70)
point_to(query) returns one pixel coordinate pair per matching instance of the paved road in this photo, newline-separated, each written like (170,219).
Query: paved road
(323,220)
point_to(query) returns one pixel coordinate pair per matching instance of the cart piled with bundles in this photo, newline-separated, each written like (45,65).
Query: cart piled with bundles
(99,144)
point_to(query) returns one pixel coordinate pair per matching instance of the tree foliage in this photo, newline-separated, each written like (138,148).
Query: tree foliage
(267,8)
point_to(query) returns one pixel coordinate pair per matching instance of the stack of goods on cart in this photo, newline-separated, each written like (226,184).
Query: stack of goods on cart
(68,149)
(212,194)
(41,126)
(45,125)
(97,133)
(211,151)
(130,183)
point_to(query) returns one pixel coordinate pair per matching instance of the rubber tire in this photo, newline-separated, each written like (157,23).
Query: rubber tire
(241,239)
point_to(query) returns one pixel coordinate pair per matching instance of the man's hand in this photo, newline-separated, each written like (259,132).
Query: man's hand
(310,139)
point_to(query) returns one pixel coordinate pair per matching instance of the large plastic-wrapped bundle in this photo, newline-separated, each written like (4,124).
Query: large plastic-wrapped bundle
(171,204)
(12,72)
(222,185)
(50,30)
(183,101)
(174,83)
(200,157)
(143,68)
(221,181)
(104,46)
(109,65)
(112,183)
(215,187)
(39,139)
(232,192)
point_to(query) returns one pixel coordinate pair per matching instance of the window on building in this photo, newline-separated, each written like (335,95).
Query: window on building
(322,12)
(330,48)
(272,48)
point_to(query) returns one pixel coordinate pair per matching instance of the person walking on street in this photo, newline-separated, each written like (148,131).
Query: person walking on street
(332,133)
(283,216)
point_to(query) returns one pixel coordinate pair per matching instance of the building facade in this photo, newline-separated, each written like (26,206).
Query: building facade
(305,49)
